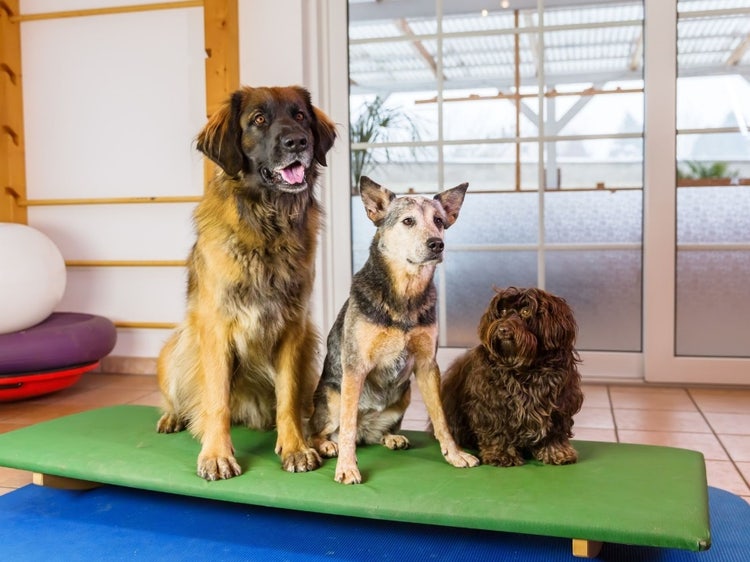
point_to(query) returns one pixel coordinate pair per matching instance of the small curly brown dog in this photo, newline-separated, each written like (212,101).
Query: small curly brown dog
(245,353)
(516,393)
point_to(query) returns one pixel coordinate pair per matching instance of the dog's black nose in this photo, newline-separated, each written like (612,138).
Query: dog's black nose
(294,142)
(435,244)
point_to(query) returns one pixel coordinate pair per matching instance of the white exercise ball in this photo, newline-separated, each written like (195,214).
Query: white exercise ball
(32,277)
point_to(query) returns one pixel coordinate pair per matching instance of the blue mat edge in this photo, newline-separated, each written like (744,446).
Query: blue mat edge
(119,518)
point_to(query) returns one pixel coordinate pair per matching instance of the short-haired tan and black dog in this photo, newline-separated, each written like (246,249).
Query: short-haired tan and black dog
(386,331)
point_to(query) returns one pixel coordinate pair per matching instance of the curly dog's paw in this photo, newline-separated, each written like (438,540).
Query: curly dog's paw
(558,453)
(505,458)
(395,442)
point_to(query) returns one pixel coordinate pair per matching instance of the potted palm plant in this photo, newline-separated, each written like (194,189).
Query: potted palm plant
(371,125)
(694,173)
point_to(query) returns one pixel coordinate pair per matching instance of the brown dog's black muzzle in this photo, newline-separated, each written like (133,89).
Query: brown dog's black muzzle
(294,142)
(293,139)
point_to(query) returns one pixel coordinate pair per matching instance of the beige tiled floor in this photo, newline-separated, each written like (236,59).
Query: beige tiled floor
(713,421)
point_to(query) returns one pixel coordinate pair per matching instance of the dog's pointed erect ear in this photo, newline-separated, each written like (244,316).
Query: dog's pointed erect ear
(220,139)
(376,199)
(451,200)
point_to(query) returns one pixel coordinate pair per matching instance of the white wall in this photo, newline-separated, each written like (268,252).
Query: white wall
(112,104)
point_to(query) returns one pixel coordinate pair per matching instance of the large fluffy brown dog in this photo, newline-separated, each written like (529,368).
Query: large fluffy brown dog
(245,353)
(517,392)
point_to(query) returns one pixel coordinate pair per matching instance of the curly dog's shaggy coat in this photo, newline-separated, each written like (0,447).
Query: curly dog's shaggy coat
(516,393)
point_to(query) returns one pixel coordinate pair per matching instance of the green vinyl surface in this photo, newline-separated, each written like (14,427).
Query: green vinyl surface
(630,494)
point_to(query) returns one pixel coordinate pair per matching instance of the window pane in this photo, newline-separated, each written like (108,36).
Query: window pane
(470,278)
(481,114)
(496,218)
(608,163)
(713,179)
(399,169)
(618,108)
(713,156)
(604,289)
(487,167)
(594,217)
(712,303)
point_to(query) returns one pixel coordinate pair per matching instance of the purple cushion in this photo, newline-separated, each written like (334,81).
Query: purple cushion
(64,339)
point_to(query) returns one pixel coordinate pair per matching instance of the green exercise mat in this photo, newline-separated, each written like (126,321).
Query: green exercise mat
(621,493)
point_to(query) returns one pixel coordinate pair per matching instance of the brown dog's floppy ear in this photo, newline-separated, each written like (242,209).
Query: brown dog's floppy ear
(488,321)
(557,325)
(221,137)
(376,199)
(451,200)
(324,131)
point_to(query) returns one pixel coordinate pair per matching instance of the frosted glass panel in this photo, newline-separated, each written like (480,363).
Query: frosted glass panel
(470,278)
(594,217)
(713,215)
(712,284)
(604,289)
(496,218)
(713,308)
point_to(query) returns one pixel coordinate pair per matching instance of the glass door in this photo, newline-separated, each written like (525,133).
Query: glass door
(698,305)
(541,111)
(562,119)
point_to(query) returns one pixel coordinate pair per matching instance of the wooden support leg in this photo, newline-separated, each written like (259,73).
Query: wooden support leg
(61,482)
(586,549)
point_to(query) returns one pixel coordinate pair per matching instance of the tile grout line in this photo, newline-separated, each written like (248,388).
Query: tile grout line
(718,439)
(612,413)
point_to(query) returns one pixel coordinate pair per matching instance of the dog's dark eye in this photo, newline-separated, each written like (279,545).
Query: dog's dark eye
(439,222)
(299,116)
(409,221)
(259,120)
(525,312)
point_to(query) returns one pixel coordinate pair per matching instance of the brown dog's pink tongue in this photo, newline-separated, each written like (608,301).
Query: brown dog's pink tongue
(293,174)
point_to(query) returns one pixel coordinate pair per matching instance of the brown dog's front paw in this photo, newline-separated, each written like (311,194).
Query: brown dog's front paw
(395,442)
(218,468)
(304,460)
(505,459)
(347,474)
(170,423)
(558,454)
